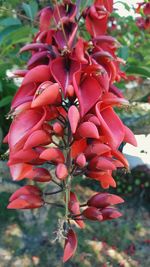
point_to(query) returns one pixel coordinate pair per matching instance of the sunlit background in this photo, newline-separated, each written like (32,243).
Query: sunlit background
(121,9)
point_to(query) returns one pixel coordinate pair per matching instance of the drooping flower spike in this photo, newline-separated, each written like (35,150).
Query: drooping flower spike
(63,115)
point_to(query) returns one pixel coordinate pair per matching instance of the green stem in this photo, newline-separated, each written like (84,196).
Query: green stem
(66,204)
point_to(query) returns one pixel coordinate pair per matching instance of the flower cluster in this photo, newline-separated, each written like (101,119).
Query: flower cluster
(63,115)
(143,22)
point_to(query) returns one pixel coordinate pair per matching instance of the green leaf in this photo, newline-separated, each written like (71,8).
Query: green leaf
(127,7)
(27,10)
(23,34)
(30,9)
(7,31)
(123,52)
(1,87)
(5,101)
(141,71)
(10,22)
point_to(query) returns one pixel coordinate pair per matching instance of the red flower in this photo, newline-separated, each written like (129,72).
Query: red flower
(96,20)
(70,245)
(26,197)
(63,116)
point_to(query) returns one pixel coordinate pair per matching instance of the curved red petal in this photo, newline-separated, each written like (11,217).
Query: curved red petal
(88,130)
(47,94)
(70,245)
(61,171)
(74,118)
(53,154)
(102,200)
(38,74)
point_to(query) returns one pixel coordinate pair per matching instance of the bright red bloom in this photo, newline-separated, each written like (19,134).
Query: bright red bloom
(63,115)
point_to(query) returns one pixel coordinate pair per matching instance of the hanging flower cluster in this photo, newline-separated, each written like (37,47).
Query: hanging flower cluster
(63,115)
(143,22)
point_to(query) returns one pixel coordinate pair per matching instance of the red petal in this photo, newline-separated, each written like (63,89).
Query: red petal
(26,202)
(5,140)
(113,89)
(104,178)
(102,200)
(74,118)
(110,213)
(39,175)
(78,147)
(74,207)
(107,3)
(106,181)
(20,170)
(63,70)
(19,73)
(45,18)
(47,94)
(92,25)
(117,154)
(23,125)
(96,149)
(94,119)
(26,190)
(58,129)
(111,126)
(53,154)
(23,156)
(34,46)
(85,93)
(88,130)
(70,29)
(81,160)
(110,99)
(65,9)
(37,59)
(101,163)
(61,171)
(129,137)
(37,138)
(38,74)
(70,245)
(24,94)
(80,51)
(93,214)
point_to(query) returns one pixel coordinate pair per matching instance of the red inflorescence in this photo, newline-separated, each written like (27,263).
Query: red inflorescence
(143,22)
(63,114)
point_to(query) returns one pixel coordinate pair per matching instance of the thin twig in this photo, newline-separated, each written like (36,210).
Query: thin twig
(53,193)
(56,183)
(54,204)
(83,205)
